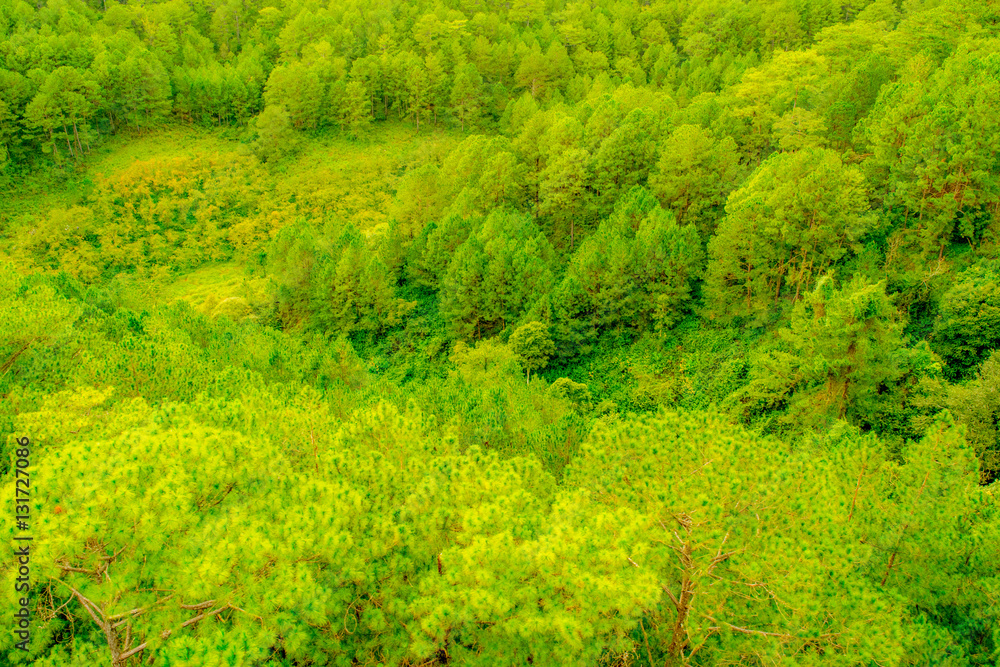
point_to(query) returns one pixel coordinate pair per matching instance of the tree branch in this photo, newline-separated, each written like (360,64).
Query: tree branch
(166,633)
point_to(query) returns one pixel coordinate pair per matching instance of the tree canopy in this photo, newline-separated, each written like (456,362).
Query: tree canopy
(477,333)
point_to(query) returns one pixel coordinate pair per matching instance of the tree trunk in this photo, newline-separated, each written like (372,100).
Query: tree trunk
(749,286)
(683,604)
(902,533)
(538,186)
(77,135)
(69,145)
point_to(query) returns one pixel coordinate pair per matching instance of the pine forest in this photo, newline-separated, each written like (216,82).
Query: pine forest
(489,333)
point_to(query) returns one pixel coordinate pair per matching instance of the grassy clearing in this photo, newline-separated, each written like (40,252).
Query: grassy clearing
(355,181)
(214,288)
(170,142)
(331,179)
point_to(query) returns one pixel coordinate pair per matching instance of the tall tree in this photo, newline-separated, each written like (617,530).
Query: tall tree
(798,215)
(719,514)
(298,88)
(356,290)
(695,175)
(967,327)
(927,525)
(467,95)
(496,275)
(934,154)
(61,110)
(275,135)
(845,354)
(355,110)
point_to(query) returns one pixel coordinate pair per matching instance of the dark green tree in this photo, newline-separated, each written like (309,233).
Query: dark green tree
(799,215)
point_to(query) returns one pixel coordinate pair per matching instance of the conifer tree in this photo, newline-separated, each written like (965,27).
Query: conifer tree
(938,166)
(496,275)
(275,135)
(466,95)
(637,269)
(846,346)
(624,158)
(718,519)
(299,89)
(355,117)
(356,290)
(968,325)
(694,176)
(926,523)
(434,248)
(798,216)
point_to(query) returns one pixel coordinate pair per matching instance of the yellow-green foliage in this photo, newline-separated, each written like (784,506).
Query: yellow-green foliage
(269,528)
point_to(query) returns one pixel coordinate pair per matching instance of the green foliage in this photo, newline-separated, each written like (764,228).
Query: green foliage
(623,158)
(299,90)
(355,109)
(154,216)
(939,166)
(419,198)
(532,344)
(481,174)
(968,324)
(845,350)
(433,249)
(270,277)
(466,95)
(576,392)
(636,270)
(355,290)
(275,137)
(486,364)
(926,523)
(768,98)
(718,514)
(976,405)
(37,327)
(345,285)
(496,275)
(694,177)
(798,216)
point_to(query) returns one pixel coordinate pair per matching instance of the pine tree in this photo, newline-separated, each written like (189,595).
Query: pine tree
(496,275)
(299,89)
(845,348)
(275,136)
(466,95)
(718,512)
(624,158)
(798,215)
(356,290)
(354,110)
(933,152)
(925,522)
(968,325)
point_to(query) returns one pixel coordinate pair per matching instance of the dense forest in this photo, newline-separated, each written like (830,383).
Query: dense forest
(467,332)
